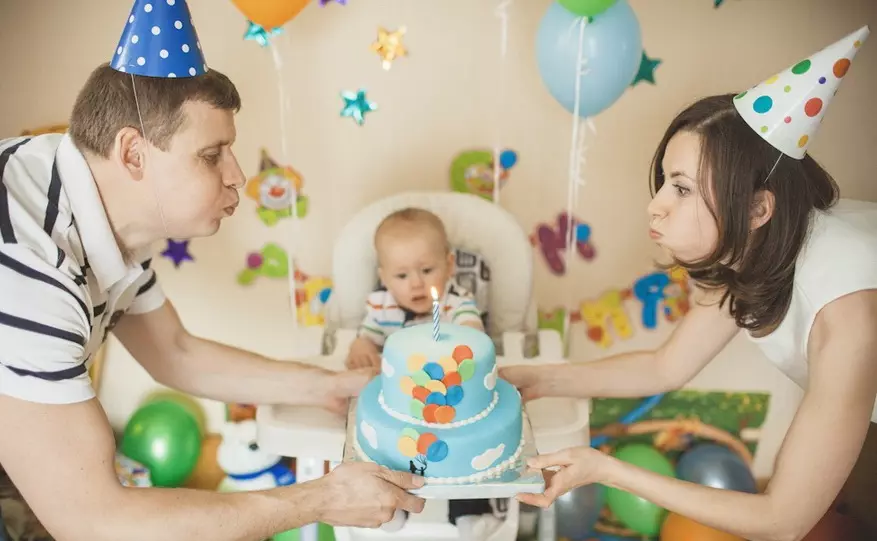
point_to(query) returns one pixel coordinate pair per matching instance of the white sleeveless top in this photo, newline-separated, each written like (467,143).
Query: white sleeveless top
(839,257)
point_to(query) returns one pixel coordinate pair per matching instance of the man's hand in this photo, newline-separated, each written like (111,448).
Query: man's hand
(364,354)
(366,495)
(344,386)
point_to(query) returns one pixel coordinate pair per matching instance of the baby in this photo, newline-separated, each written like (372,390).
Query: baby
(414,255)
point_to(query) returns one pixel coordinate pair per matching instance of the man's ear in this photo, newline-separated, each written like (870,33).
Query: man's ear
(762,209)
(129,151)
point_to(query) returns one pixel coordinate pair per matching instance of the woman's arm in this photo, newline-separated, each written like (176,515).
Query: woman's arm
(817,456)
(704,331)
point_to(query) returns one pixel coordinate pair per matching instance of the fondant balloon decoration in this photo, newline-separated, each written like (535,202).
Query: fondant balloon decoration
(422,448)
(472,171)
(276,189)
(270,14)
(606,317)
(716,466)
(680,528)
(165,437)
(435,387)
(639,514)
(551,240)
(611,50)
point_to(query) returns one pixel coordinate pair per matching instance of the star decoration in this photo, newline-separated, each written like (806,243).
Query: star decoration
(356,106)
(717,3)
(389,46)
(177,251)
(646,70)
(260,35)
(324,2)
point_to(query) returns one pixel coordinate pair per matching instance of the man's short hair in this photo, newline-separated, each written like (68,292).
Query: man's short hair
(106,104)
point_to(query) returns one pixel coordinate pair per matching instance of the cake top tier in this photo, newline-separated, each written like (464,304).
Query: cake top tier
(438,382)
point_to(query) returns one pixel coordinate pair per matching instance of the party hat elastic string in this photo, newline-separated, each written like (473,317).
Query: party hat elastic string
(146,144)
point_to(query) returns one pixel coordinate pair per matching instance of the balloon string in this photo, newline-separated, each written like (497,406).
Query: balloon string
(575,153)
(149,158)
(284,149)
(502,12)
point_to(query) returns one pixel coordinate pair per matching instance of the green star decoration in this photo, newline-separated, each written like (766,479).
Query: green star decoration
(259,34)
(646,72)
(356,106)
(717,3)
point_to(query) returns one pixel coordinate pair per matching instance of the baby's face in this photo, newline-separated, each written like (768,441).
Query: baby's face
(410,266)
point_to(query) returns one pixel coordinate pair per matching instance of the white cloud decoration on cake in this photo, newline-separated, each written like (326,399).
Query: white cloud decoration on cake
(387,368)
(488,457)
(490,379)
(370,434)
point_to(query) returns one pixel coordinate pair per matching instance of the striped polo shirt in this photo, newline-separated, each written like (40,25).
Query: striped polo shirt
(64,282)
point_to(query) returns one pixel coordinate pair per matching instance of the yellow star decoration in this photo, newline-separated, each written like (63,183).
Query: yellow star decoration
(389,46)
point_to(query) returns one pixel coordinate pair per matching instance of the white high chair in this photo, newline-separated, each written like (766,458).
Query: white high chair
(476,226)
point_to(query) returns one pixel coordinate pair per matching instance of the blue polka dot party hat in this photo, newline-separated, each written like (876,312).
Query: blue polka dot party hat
(786,109)
(159,40)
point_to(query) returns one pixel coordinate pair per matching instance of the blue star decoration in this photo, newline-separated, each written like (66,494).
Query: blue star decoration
(356,106)
(259,34)
(177,251)
(646,72)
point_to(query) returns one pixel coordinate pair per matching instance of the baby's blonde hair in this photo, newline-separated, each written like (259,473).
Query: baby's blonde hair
(413,217)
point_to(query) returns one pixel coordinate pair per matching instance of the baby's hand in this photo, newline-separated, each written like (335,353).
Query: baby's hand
(363,354)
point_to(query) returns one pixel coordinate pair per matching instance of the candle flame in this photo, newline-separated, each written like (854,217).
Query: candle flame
(434,292)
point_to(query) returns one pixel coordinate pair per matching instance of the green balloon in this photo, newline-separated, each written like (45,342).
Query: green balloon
(165,437)
(639,514)
(466,369)
(417,411)
(421,378)
(586,8)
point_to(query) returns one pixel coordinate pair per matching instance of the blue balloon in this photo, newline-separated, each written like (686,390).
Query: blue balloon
(611,47)
(716,466)
(434,371)
(454,395)
(508,159)
(577,511)
(436,398)
(437,451)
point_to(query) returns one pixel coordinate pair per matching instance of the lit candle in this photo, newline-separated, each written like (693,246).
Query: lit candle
(435,314)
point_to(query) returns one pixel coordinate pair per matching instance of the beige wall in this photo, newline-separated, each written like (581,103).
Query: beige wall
(440,100)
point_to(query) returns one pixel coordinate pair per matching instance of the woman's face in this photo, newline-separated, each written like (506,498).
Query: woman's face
(679,219)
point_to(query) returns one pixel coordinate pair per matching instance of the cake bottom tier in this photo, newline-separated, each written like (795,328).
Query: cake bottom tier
(469,453)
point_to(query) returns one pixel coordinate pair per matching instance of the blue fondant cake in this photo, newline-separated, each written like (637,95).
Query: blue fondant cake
(438,408)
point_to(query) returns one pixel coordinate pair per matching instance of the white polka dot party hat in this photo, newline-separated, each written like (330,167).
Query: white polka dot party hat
(786,109)
(159,40)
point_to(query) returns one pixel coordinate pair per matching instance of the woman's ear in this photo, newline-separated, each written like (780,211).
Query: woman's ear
(762,209)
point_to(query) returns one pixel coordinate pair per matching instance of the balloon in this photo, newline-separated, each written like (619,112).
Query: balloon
(452,379)
(436,387)
(586,8)
(578,510)
(421,378)
(454,395)
(635,512)
(186,401)
(270,14)
(716,466)
(420,393)
(425,441)
(407,384)
(611,45)
(437,451)
(411,433)
(448,364)
(508,159)
(416,362)
(416,408)
(436,398)
(679,528)
(164,437)
(445,414)
(429,413)
(466,369)
(434,371)
(407,446)
(461,353)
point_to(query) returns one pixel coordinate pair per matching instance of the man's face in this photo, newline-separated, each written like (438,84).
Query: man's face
(197,179)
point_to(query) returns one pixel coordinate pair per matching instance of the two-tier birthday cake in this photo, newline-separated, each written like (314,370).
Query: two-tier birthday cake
(439,409)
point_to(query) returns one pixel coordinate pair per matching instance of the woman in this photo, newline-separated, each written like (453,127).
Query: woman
(774,253)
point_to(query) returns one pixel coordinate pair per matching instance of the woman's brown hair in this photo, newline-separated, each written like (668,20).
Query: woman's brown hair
(755,268)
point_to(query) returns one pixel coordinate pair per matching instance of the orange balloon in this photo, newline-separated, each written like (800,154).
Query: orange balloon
(445,414)
(429,413)
(420,393)
(679,528)
(270,14)
(426,439)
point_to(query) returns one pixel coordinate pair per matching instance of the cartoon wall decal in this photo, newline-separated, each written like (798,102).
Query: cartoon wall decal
(275,189)
(551,240)
(607,318)
(472,171)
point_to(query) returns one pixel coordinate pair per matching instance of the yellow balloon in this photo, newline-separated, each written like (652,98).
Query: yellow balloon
(416,362)
(407,446)
(407,385)
(436,386)
(448,364)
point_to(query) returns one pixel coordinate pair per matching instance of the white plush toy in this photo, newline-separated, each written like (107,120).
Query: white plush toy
(247,467)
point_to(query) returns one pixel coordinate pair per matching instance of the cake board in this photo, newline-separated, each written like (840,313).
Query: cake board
(516,480)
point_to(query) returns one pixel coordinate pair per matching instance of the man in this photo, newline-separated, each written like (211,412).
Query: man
(147,157)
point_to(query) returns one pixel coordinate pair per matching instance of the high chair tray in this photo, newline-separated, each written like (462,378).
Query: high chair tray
(516,480)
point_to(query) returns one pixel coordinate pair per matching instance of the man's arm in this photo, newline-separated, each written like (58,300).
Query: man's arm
(61,460)
(200,367)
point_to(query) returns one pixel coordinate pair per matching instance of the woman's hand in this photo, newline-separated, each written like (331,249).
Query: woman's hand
(532,381)
(578,466)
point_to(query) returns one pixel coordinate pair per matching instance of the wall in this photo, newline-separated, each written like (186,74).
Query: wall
(440,100)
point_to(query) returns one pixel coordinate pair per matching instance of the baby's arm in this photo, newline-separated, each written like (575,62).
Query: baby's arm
(364,350)
(466,313)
